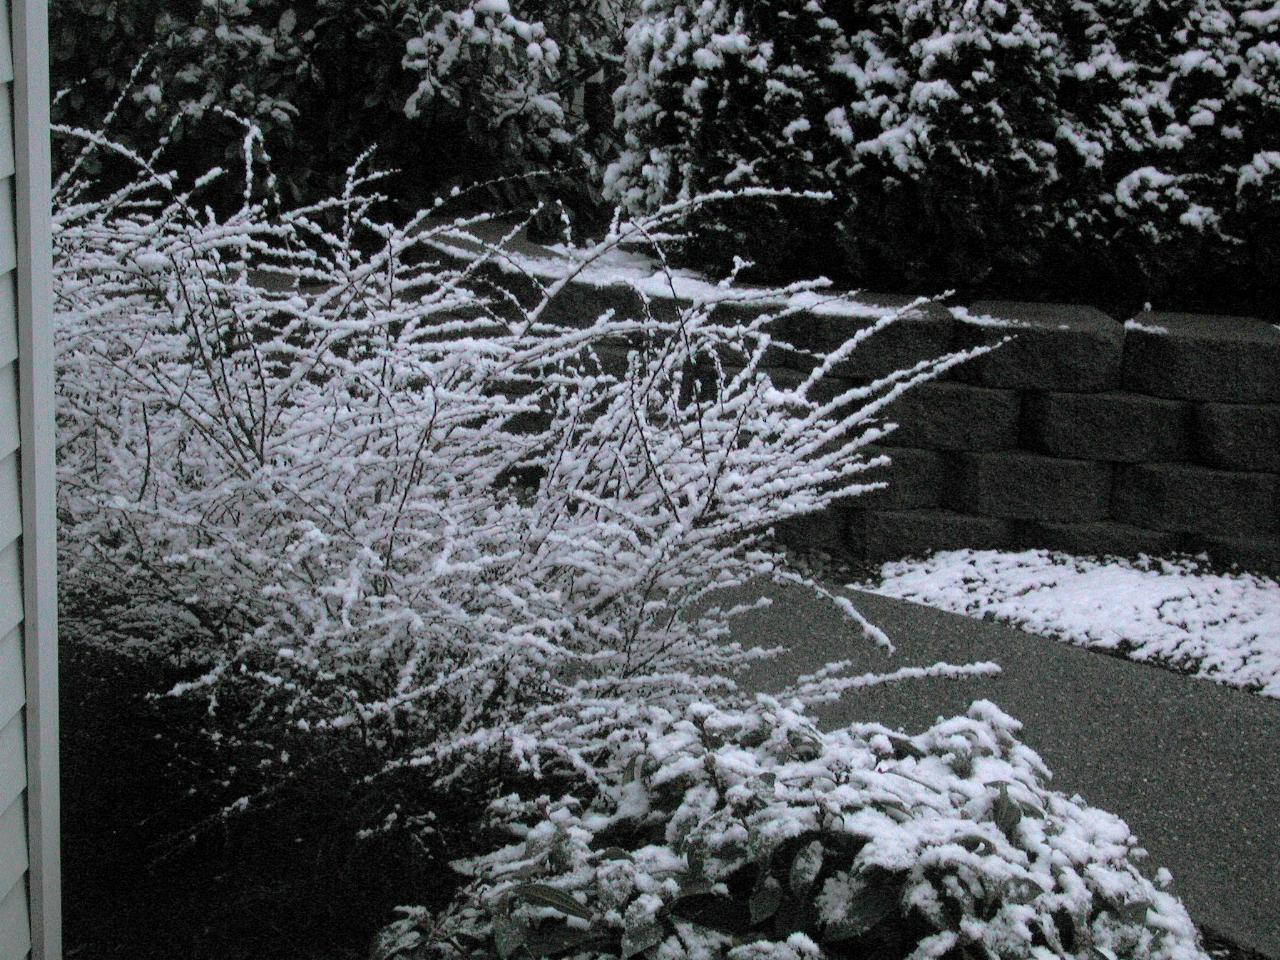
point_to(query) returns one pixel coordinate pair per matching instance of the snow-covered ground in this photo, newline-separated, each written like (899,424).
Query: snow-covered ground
(1224,627)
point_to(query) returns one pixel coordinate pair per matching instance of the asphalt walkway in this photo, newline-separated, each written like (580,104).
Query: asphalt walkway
(1192,766)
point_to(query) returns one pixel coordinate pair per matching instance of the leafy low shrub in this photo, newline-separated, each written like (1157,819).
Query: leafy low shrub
(1098,150)
(448,90)
(752,834)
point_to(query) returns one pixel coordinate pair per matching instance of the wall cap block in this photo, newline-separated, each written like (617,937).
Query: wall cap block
(1201,357)
(1054,347)
(1014,314)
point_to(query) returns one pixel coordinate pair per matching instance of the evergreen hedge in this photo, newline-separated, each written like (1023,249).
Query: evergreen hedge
(448,91)
(1111,151)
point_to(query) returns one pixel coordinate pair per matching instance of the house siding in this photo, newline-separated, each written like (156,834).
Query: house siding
(29,870)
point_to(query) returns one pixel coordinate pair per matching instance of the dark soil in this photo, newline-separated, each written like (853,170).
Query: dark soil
(288,882)
(1220,948)
(291,882)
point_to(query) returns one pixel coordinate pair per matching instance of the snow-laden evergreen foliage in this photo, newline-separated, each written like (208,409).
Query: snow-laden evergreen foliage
(751,834)
(970,142)
(445,88)
(368,496)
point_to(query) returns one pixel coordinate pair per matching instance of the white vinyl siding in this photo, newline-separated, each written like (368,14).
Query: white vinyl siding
(29,870)
(15,926)
(15,930)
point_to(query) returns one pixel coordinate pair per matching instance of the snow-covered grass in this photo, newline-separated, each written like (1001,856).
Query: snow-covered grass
(1220,626)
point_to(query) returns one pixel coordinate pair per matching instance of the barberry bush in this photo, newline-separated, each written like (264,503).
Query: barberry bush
(364,497)
(1096,150)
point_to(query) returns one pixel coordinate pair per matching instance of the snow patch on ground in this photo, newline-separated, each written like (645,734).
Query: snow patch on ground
(1223,627)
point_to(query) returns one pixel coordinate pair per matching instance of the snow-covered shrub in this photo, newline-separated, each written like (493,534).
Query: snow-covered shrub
(970,143)
(366,498)
(174,71)
(752,834)
(511,68)
(445,88)
(507,77)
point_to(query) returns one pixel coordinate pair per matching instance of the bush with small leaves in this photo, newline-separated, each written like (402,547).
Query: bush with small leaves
(751,834)
(1091,150)
(448,90)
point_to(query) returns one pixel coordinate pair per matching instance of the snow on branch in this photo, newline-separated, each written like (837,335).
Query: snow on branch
(355,489)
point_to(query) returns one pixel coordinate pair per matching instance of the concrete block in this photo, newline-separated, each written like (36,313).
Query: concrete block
(792,334)
(1238,436)
(880,535)
(1028,486)
(955,416)
(920,334)
(579,304)
(827,530)
(1202,357)
(916,479)
(1195,499)
(1102,539)
(1120,427)
(1054,347)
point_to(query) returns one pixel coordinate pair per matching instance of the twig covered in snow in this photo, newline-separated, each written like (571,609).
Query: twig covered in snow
(381,497)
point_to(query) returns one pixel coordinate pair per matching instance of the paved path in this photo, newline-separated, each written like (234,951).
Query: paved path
(1192,766)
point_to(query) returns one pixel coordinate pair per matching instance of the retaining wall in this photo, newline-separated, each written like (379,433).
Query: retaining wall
(1080,434)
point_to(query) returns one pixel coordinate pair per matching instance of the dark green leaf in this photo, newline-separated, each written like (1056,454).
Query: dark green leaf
(541,895)
(632,773)
(717,912)
(560,856)
(509,933)
(695,886)
(1066,928)
(893,809)
(696,859)
(805,868)
(551,939)
(903,748)
(639,939)
(804,744)
(1135,912)
(616,853)
(1006,814)
(868,907)
(765,900)
(796,915)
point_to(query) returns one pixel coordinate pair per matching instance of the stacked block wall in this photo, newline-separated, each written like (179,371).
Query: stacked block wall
(1077,433)
(1081,434)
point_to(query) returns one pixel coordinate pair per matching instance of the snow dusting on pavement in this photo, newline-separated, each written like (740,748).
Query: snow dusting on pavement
(1223,627)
